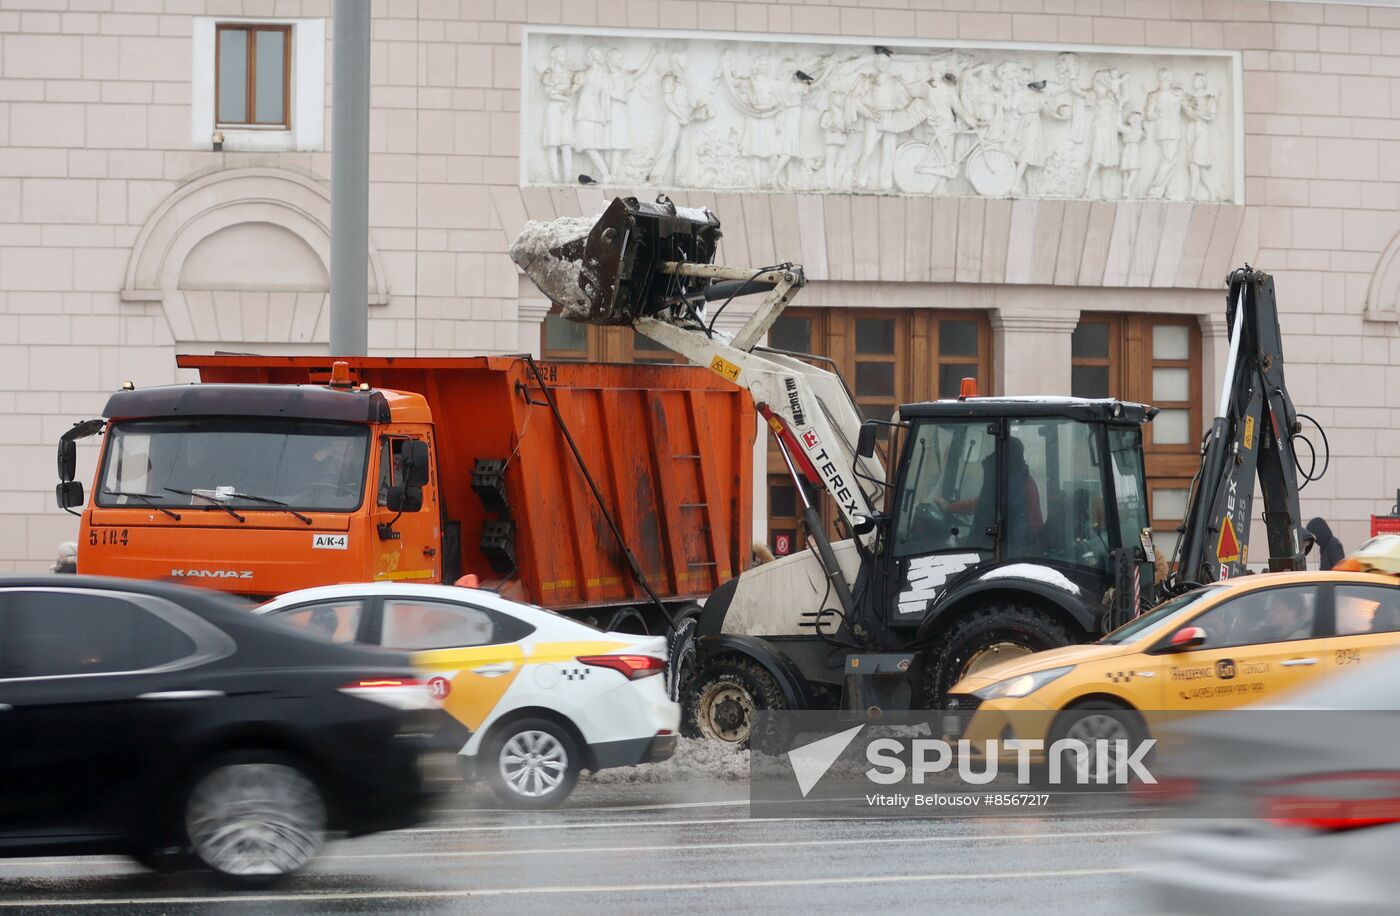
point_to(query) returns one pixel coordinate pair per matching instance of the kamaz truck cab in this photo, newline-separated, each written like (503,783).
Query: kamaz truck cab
(250,488)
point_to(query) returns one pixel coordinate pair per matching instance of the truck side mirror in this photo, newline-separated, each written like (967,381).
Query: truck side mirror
(865,441)
(415,464)
(67,460)
(404,498)
(69,494)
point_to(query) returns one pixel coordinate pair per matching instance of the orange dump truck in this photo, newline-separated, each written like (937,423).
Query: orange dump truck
(278,473)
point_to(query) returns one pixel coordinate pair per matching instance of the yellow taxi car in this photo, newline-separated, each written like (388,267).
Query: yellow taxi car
(1220,646)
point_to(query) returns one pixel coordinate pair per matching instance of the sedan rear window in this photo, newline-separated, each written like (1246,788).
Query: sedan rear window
(64,633)
(414,625)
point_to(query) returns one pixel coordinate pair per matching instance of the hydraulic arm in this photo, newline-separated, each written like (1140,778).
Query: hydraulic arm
(649,265)
(1252,434)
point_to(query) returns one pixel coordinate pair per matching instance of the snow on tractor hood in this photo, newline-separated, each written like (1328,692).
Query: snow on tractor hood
(1035,572)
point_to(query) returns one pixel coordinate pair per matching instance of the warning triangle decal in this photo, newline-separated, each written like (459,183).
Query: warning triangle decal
(1228,550)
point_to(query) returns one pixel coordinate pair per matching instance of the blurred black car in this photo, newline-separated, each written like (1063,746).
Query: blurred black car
(172,725)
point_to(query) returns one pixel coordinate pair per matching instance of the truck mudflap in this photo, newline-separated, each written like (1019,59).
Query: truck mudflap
(797,693)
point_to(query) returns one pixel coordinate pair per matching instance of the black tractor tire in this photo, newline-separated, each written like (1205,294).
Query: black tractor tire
(980,630)
(721,701)
(680,661)
(1087,721)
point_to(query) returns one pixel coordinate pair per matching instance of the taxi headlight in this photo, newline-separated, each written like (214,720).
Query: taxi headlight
(1022,685)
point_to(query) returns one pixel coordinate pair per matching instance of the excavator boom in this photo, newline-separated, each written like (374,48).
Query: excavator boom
(1251,436)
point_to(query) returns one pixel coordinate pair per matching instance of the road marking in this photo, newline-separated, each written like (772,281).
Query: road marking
(591,825)
(684,847)
(680,847)
(739,803)
(580,889)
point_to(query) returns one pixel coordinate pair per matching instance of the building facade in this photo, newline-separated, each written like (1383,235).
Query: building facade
(1045,195)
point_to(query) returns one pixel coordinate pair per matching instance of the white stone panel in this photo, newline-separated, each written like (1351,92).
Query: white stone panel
(941,119)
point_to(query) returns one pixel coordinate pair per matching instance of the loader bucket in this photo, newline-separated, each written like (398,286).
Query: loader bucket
(613,273)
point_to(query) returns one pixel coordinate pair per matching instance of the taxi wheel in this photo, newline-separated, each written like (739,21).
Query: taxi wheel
(722,701)
(984,636)
(533,763)
(1090,722)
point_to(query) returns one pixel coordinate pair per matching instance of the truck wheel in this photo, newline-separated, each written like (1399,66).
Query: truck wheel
(724,697)
(984,637)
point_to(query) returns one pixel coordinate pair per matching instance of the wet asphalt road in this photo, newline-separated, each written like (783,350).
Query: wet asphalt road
(644,849)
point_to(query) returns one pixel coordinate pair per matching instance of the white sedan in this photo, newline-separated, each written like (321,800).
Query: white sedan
(539,696)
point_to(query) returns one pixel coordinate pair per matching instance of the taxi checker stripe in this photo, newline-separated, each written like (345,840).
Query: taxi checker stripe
(1119,677)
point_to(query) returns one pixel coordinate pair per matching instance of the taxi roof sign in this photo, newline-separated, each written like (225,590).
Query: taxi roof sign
(1379,554)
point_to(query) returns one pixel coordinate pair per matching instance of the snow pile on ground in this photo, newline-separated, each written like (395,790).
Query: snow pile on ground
(695,758)
(559,279)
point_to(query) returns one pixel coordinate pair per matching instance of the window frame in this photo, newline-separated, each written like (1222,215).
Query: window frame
(918,361)
(250,75)
(210,643)
(498,622)
(1321,623)
(362,623)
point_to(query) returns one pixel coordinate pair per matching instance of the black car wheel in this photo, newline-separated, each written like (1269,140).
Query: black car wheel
(533,763)
(1089,723)
(723,699)
(984,637)
(255,817)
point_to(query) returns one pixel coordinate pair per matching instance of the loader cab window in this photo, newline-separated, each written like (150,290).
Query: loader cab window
(1055,501)
(948,500)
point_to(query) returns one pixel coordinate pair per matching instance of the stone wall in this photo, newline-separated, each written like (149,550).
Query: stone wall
(114,215)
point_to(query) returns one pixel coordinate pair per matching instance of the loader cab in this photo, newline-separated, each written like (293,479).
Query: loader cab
(1003,492)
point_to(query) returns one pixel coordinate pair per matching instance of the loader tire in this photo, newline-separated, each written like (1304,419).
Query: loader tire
(982,637)
(722,700)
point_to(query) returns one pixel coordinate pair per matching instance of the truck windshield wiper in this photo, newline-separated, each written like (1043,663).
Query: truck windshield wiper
(147,498)
(271,502)
(213,502)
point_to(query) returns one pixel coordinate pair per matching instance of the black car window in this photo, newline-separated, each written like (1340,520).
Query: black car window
(413,625)
(337,621)
(1259,617)
(1367,609)
(58,633)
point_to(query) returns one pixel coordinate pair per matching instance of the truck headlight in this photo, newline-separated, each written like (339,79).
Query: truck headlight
(1021,685)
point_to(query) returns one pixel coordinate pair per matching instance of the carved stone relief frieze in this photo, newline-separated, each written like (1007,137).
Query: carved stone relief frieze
(641,109)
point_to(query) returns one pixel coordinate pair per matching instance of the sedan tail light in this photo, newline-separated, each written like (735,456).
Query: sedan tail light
(398,692)
(631,667)
(1334,801)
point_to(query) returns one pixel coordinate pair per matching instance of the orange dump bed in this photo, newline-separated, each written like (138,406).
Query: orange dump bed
(670,448)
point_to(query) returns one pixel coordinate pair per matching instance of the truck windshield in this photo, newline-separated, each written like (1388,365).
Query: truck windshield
(252,463)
